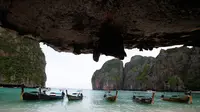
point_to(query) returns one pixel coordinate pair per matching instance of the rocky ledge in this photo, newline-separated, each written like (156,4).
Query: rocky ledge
(172,70)
(104,26)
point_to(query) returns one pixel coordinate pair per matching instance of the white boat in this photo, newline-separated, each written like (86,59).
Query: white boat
(74,96)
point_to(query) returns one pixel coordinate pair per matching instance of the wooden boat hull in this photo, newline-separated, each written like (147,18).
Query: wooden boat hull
(179,100)
(111,98)
(142,100)
(30,96)
(50,97)
(72,98)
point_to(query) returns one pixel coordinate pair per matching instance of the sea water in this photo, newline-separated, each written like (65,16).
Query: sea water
(93,101)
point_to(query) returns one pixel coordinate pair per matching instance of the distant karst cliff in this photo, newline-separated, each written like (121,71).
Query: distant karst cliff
(172,70)
(136,72)
(109,76)
(177,69)
(21,60)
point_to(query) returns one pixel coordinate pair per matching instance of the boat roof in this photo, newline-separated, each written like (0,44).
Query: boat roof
(76,92)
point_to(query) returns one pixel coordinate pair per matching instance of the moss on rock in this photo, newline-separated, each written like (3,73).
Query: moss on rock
(21,60)
(109,76)
(172,81)
(143,75)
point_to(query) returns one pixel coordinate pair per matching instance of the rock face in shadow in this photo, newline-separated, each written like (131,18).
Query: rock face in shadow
(174,69)
(21,60)
(136,72)
(79,26)
(109,76)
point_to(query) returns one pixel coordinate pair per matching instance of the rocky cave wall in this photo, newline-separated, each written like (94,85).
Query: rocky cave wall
(21,60)
(90,26)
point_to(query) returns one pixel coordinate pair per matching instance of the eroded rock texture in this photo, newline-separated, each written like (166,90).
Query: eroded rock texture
(110,76)
(79,25)
(21,60)
(136,72)
(175,69)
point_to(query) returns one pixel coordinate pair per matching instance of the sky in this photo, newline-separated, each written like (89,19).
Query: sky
(66,70)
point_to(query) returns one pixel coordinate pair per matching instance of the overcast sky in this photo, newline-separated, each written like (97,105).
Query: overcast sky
(66,70)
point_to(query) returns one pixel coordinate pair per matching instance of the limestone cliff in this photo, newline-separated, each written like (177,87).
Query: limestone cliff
(177,69)
(136,72)
(21,60)
(109,76)
(172,70)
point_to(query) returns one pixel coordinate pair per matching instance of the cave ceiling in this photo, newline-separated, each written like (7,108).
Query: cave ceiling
(104,26)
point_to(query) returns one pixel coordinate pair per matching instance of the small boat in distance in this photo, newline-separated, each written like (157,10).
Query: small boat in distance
(187,98)
(110,97)
(144,99)
(74,96)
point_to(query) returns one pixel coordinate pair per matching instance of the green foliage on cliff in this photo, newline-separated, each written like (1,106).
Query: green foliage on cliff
(172,81)
(21,60)
(134,69)
(109,76)
(115,77)
(109,65)
(172,70)
(143,75)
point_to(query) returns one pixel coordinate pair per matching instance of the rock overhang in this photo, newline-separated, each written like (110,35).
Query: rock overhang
(104,26)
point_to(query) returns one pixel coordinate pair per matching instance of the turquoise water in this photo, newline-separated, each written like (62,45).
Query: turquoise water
(93,102)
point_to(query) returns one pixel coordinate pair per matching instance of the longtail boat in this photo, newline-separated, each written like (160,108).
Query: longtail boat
(110,97)
(37,95)
(34,95)
(51,96)
(179,99)
(74,96)
(144,99)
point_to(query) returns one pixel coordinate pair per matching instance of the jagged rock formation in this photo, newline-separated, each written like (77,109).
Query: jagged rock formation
(172,70)
(136,72)
(21,60)
(109,76)
(79,25)
(176,69)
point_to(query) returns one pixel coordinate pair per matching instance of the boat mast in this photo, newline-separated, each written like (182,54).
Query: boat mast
(152,98)
(66,92)
(22,91)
